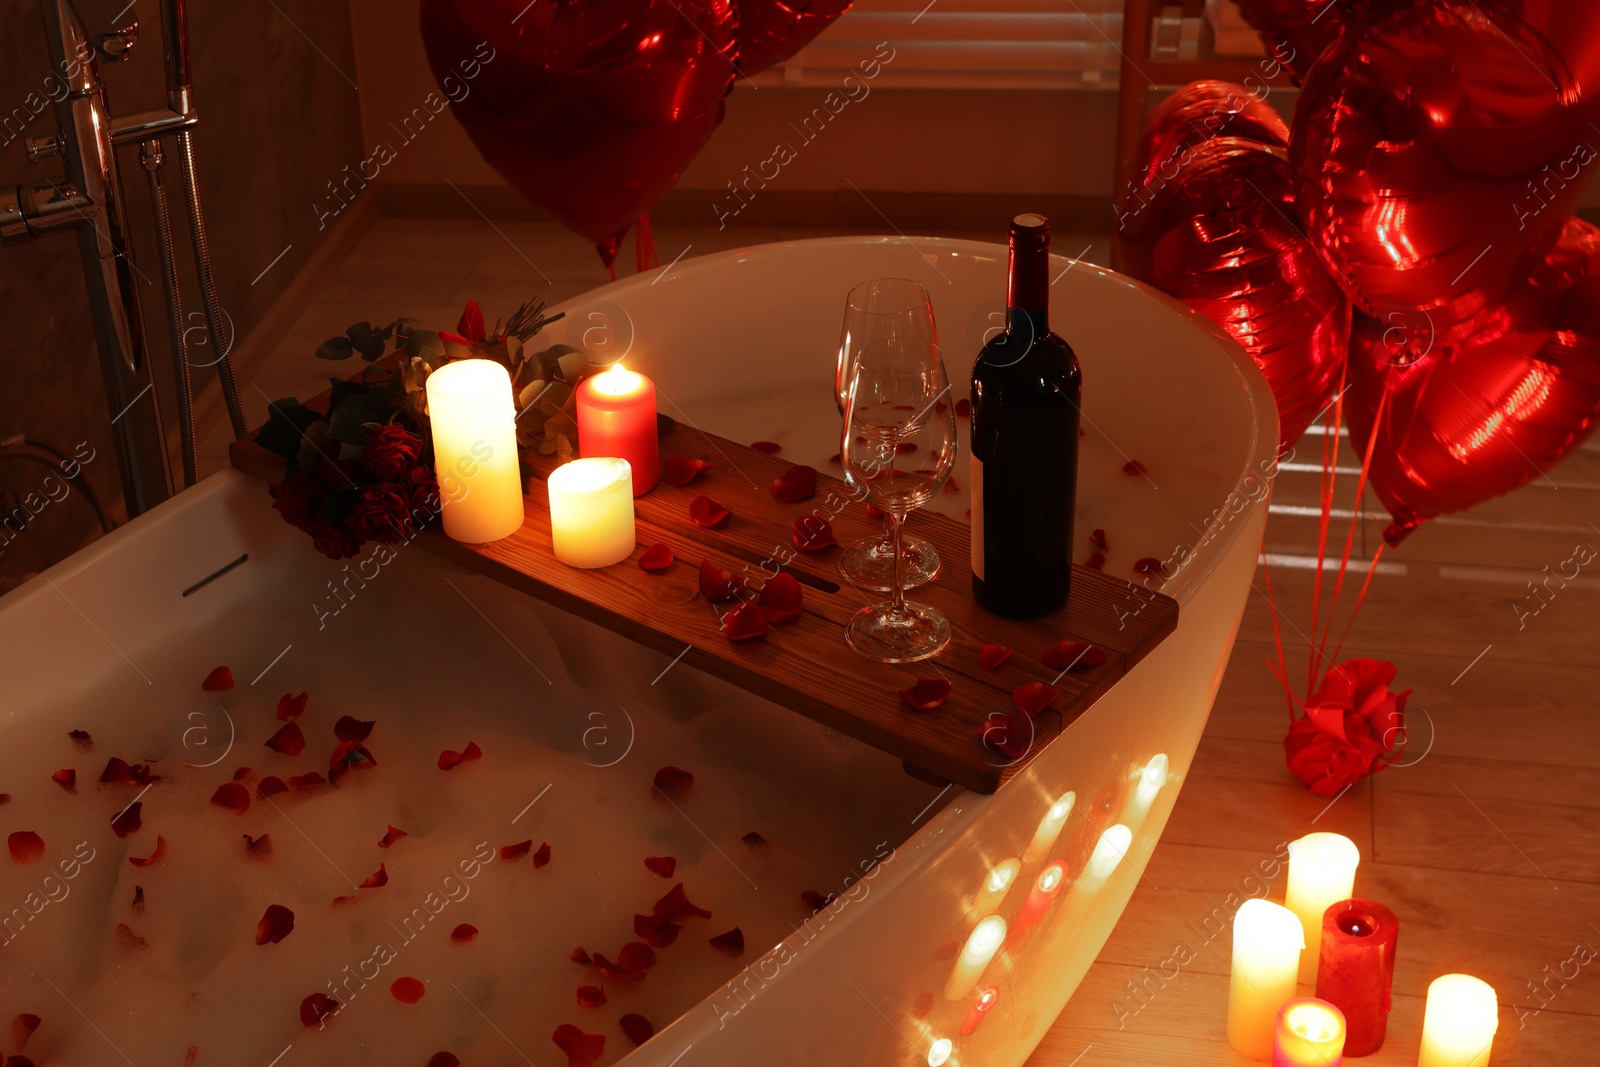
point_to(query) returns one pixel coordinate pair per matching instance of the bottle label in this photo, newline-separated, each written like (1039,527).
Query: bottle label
(975,484)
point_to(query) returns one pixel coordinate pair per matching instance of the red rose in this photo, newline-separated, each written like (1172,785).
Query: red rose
(340,473)
(333,541)
(298,500)
(382,512)
(422,491)
(1353,726)
(391,451)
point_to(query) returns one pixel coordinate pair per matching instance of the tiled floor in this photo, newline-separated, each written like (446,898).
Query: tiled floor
(1484,842)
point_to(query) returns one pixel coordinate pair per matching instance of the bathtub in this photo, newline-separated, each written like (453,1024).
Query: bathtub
(884,920)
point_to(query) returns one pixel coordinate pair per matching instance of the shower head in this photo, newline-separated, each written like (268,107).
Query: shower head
(111,26)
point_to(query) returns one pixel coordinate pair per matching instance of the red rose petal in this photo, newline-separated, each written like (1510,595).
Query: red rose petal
(662,865)
(22,1028)
(655,931)
(637,1028)
(407,990)
(1073,656)
(816,901)
(391,835)
(146,861)
(5,798)
(1150,565)
(905,447)
(717,584)
(744,621)
(591,996)
(705,512)
(130,941)
(1097,538)
(119,770)
(243,774)
(633,963)
(795,484)
(952,487)
(463,933)
(729,944)
(811,533)
(219,678)
(1034,697)
(658,557)
(348,756)
(926,693)
(309,780)
(349,728)
(288,741)
(541,855)
(754,840)
(963,408)
(675,782)
(1011,733)
(443,1059)
(771,448)
(578,955)
(874,511)
(583,1050)
(66,778)
(1096,561)
(992,656)
(676,905)
(681,470)
(138,900)
(512,853)
(781,600)
(277,922)
(316,1008)
(26,846)
(291,707)
(836,459)
(82,739)
(128,820)
(377,878)
(1133,466)
(449,759)
(233,796)
(258,847)
(923,1004)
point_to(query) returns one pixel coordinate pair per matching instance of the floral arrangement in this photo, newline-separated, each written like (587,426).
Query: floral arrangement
(1354,725)
(362,470)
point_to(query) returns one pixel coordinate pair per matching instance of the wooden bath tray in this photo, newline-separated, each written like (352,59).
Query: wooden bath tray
(806,665)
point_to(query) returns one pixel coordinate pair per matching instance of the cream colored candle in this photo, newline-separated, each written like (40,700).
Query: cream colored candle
(984,941)
(1322,872)
(1267,939)
(591,512)
(1459,1023)
(475,450)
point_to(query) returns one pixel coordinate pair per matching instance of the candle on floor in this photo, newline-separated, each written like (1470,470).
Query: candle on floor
(475,450)
(1267,939)
(982,944)
(617,417)
(1459,1022)
(1322,871)
(1357,970)
(1310,1034)
(591,512)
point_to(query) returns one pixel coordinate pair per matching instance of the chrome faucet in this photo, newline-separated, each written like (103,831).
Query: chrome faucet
(87,199)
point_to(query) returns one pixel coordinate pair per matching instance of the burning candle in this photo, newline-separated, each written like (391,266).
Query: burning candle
(1357,970)
(591,512)
(1459,1022)
(1267,939)
(1322,871)
(982,944)
(475,450)
(1310,1034)
(617,417)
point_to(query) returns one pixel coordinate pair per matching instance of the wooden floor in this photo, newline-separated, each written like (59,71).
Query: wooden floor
(1486,842)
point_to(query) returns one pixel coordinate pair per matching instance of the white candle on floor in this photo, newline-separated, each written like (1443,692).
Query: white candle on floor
(591,512)
(475,450)
(1267,939)
(1322,872)
(1459,1023)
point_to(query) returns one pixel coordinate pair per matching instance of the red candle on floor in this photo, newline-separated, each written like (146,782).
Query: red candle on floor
(617,418)
(1357,969)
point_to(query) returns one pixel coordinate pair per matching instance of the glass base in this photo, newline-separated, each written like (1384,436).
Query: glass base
(922,632)
(869,564)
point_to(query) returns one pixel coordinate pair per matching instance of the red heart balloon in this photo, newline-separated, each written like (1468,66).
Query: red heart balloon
(1476,409)
(1437,147)
(591,109)
(771,31)
(1295,31)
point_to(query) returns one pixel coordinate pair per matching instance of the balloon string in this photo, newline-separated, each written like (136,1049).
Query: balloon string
(644,245)
(1361,598)
(1280,670)
(1330,463)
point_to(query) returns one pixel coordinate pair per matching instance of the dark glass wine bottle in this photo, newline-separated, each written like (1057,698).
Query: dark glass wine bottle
(1026,387)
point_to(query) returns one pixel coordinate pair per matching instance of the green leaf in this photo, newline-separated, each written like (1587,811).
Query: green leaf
(529,391)
(574,366)
(336,348)
(348,422)
(287,421)
(426,346)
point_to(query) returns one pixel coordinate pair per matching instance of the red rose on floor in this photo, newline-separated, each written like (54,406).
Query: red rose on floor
(382,512)
(1353,726)
(391,451)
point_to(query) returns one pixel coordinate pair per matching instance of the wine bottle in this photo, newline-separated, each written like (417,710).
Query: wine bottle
(1026,387)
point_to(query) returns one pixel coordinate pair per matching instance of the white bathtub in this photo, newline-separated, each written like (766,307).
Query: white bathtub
(574,722)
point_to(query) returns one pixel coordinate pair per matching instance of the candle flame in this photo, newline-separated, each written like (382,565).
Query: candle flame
(1313,1022)
(617,380)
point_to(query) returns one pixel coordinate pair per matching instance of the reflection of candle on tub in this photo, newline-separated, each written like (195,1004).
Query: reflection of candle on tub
(617,417)
(1267,939)
(475,450)
(980,1009)
(591,512)
(1459,1022)
(1322,871)
(982,944)
(1310,1034)
(1000,879)
(1044,838)
(1046,888)
(939,1052)
(1151,779)
(1108,852)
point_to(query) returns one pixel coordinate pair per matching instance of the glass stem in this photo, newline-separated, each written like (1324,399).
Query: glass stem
(897,537)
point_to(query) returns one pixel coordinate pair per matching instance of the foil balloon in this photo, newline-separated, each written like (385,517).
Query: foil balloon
(1477,408)
(1438,145)
(590,108)
(1295,32)
(771,31)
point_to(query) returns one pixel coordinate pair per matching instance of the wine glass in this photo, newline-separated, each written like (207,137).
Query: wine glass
(898,445)
(874,310)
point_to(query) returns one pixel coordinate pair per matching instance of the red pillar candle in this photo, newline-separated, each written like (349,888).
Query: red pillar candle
(617,418)
(1357,969)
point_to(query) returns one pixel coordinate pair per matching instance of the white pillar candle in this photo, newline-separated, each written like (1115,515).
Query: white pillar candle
(984,941)
(1459,1023)
(1267,939)
(475,450)
(1322,872)
(591,512)
(1049,829)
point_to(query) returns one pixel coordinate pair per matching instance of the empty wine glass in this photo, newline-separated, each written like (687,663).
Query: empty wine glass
(898,445)
(874,310)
